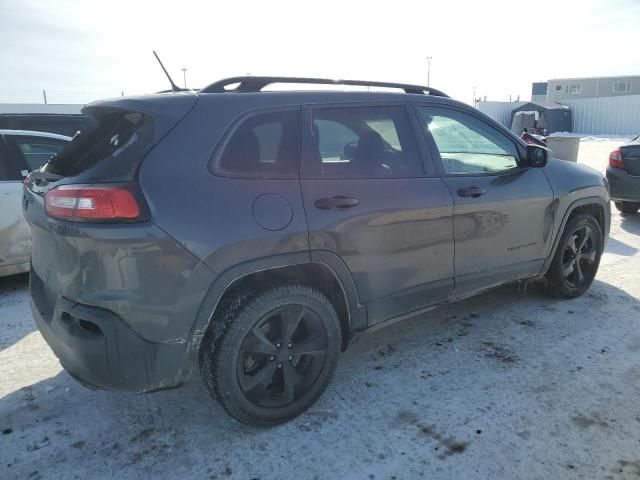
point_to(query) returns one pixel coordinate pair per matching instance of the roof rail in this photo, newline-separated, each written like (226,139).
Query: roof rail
(256,84)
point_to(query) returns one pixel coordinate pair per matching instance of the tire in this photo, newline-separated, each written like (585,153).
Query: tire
(571,274)
(262,369)
(627,208)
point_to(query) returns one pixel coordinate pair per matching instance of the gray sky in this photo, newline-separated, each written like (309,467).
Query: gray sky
(81,51)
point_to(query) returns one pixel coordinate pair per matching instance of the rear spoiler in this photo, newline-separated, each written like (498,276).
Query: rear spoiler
(165,109)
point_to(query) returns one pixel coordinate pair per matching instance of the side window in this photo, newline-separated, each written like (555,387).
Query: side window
(36,151)
(264,145)
(8,171)
(466,144)
(332,139)
(364,142)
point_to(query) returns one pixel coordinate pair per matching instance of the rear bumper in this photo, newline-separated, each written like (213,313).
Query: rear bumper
(99,349)
(623,187)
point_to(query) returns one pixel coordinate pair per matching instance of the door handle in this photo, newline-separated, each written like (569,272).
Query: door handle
(473,192)
(338,202)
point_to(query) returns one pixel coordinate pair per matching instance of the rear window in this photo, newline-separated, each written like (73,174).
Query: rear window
(112,146)
(265,145)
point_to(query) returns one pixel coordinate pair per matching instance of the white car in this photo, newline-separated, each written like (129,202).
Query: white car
(21,152)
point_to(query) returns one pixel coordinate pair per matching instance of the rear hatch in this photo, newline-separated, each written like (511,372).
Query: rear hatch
(90,189)
(631,156)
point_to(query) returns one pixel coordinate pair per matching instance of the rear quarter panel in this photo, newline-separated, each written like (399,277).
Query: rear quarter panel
(134,270)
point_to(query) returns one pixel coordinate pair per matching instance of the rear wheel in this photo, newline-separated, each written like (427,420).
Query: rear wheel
(275,356)
(627,208)
(576,259)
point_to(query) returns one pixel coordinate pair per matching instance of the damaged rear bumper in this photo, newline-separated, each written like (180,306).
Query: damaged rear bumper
(100,350)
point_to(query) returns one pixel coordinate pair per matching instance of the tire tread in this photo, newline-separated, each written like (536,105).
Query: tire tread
(235,315)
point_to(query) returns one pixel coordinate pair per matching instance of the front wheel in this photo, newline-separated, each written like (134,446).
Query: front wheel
(273,356)
(627,208)
(576,259)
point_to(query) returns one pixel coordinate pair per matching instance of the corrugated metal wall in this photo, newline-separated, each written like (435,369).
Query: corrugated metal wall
(499,111)
(591,116)
(606,116)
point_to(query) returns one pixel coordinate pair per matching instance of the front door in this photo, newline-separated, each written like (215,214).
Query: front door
(503,213)
(371,200)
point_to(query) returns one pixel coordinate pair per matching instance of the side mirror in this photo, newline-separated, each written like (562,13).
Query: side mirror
(537,156)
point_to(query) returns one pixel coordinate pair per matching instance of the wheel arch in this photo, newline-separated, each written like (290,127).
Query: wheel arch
(597,206)
(322,270)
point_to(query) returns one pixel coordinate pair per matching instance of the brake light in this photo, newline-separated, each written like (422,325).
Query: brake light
(91,203)
(615,159)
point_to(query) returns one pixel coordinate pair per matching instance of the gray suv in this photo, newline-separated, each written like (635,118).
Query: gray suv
(250,233)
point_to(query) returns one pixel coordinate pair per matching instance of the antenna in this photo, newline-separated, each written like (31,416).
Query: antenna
(174,87)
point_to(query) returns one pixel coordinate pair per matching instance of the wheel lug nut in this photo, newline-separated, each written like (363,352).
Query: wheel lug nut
(279,365)
(290,357)
(290,345)
(272,358)
(278,345)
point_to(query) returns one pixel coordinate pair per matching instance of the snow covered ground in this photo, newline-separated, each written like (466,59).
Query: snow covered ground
(510,384)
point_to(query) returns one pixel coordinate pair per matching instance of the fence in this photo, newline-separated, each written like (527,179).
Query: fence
(56,96)
(606,115)
(591,116)
(39,108)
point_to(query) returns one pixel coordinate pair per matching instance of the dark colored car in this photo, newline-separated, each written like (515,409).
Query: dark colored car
(250,233)
(623,174)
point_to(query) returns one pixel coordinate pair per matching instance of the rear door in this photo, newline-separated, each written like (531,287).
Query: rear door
(503,211)
(371,200)
(14,231)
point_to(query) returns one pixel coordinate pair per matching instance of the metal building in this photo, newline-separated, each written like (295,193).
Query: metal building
(563,89)
(539,92)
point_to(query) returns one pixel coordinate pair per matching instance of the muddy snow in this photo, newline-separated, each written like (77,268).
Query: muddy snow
(509,384)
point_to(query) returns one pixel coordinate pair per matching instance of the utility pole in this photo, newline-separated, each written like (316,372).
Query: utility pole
(184,76)
(475,103)
(44,94)
(428,70)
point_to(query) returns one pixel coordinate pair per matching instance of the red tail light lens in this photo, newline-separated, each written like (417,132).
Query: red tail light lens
(91,203)
(615,159)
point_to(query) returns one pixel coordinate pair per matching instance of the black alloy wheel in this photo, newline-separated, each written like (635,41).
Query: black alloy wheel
(579,256)
(282,356)
(576,258)
(268,356)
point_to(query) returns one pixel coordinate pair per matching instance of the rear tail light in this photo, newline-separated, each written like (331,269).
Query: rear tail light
(69,202)
(615,159)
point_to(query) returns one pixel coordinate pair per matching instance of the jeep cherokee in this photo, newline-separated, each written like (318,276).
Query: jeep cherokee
(249,233)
